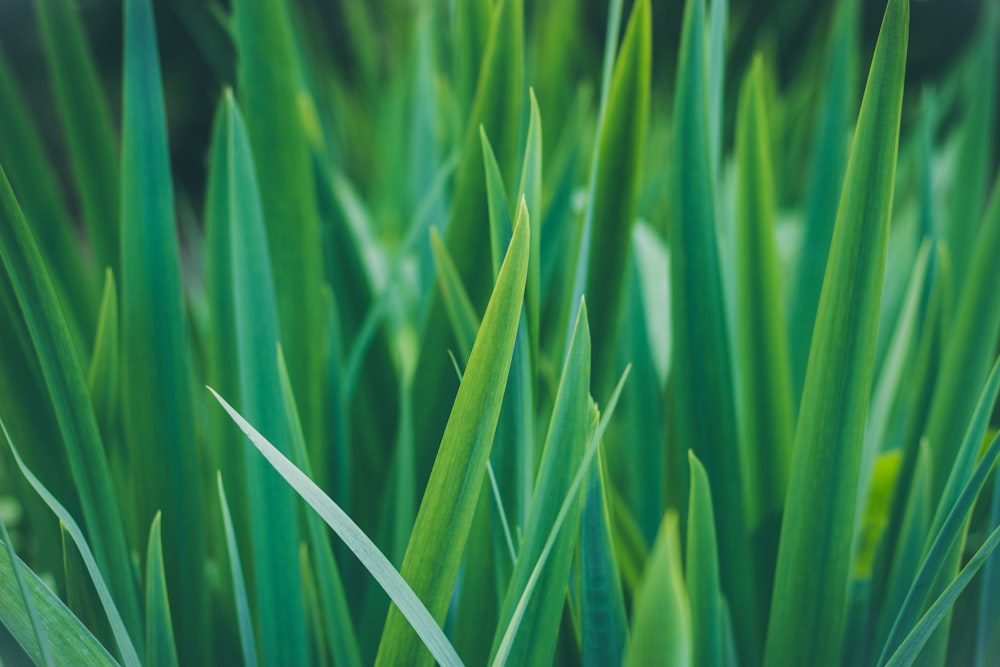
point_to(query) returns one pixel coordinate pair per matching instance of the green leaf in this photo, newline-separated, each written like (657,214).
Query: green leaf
(661,617)
(67,391)
(40,646)
(826,176)
(702,372)
(446,511)
(269,92)
(762,345)
(813,572)
(69,640)
(603,622)
(535,644)
(274,534)
(717,19)
(598,425)
(156,367)
(160,649)
(247,642)
(969,349)
(989,593)
(360,544)
(121,634)
(86,122)
(105,372)
(610,213)
(337,624)
(461,312)
(702,575)
(531,190)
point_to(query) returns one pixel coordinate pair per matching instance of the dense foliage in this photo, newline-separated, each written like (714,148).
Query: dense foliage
(566,369)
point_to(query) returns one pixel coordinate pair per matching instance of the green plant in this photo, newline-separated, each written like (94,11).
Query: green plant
(411,279)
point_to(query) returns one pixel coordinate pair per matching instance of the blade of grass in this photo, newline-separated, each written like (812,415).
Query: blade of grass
(826,176)
(704,401)
(67,390)
(564,448)
(603,623)
(86,121)
(360,544)
(247,642)
(809,607)
(69,640)
(41,646)
(159,409)
(160,648)
(337,624)
(593,443)
(268,90)
(717,19)
(446,511)
(128,653)
(274,534)
(762,345)
(610,213)
(661,617)
(702,575)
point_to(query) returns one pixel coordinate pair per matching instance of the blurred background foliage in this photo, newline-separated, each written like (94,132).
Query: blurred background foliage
(365,43)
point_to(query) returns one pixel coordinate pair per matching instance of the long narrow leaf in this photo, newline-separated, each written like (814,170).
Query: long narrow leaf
(446,511)
(160,647)
(808,615)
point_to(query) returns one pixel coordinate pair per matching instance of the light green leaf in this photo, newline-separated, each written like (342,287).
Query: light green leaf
(461,312)
(160,649)
(661,617)
(702,575)
(762,345)
(360,544)
(69,640)
(809,607)
(40,646)
(124,642)
(446,511)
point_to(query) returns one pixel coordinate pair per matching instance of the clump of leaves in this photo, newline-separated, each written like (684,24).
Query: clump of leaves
(568,377)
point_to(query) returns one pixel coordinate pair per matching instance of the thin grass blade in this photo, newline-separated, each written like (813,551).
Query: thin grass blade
(446,511)
(160,647)
(247,642)
(702,574)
